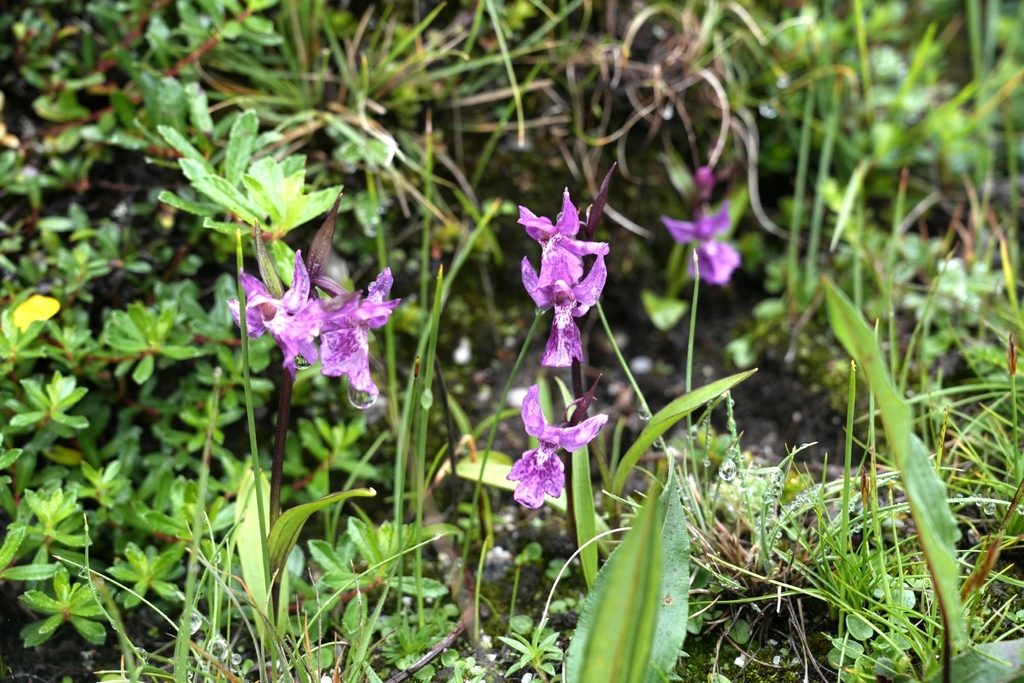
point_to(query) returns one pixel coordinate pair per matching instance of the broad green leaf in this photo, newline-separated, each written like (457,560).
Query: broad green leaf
(1001,662)
(248,541)
(926,493)
(286,529)
(674,598)
(665,418)
(615,633)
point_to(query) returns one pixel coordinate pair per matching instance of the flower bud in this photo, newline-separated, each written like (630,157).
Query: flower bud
(320,249)
(704,180)
(268,272)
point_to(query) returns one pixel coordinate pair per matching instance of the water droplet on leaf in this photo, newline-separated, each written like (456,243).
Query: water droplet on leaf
(727,470)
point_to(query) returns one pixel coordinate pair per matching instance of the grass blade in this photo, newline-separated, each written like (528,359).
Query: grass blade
(926,493)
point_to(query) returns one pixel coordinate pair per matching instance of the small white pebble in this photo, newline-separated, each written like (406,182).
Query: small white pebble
(776,659)
(741,661)
(516,396)
(463,352)
(641,365)
(326,679)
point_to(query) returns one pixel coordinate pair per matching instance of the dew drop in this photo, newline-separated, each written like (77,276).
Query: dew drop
(990,509)
(707,463)
(236,659)
(360,399)
(83,572)
(767,111)
(427,398)
(727,470)
(143,655)
(782,82)
(644,414)
(195,622)
(1020,509)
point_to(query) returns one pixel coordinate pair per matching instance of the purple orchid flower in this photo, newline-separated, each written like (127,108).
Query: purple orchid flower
(345,340)
(540,470)
(293,321)
(559,249)
(717,259)
(570,299)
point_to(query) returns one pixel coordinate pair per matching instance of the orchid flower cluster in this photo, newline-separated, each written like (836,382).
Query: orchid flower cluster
(716,259)
(572,275)
(297,317)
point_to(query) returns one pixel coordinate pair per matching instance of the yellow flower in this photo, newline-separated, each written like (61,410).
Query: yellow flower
(35,308)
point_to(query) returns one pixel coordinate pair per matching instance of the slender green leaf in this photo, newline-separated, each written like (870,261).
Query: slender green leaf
(665,418)
(926,493)
(286,529)
(583,511)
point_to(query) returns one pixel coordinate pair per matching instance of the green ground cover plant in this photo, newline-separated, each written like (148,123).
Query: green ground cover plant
(319,323)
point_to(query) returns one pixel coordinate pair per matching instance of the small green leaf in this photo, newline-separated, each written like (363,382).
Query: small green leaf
(858,627)
(144,370)
(664,312)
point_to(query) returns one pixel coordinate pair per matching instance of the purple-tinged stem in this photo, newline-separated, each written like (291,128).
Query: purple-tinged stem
(284,411)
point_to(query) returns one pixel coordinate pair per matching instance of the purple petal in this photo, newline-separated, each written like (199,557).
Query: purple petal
(589,291)
(717,223)
(569,221)
(574,438)
(558,265)
(582,248)
(537,227)
(538,472)
(717,261)
(531,282)
(564,343)
(252,286)
(533,416)
(379,290)
(346,352)
(681,231)
(253,321)
(298,293)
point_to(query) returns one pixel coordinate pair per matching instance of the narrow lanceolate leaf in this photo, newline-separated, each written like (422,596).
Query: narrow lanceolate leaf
(674,598)
(583,511)
(616,630)
(268,272)
(925,491)
(288,526)
(665,418)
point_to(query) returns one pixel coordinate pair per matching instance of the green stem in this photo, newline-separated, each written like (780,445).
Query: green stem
(254,457)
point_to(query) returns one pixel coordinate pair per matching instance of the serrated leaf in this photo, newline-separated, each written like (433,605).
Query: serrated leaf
(241,144)
(926,493)
(176,140)
(289,525)
(15,535)
(28,572)
(665,418)
(195,208)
